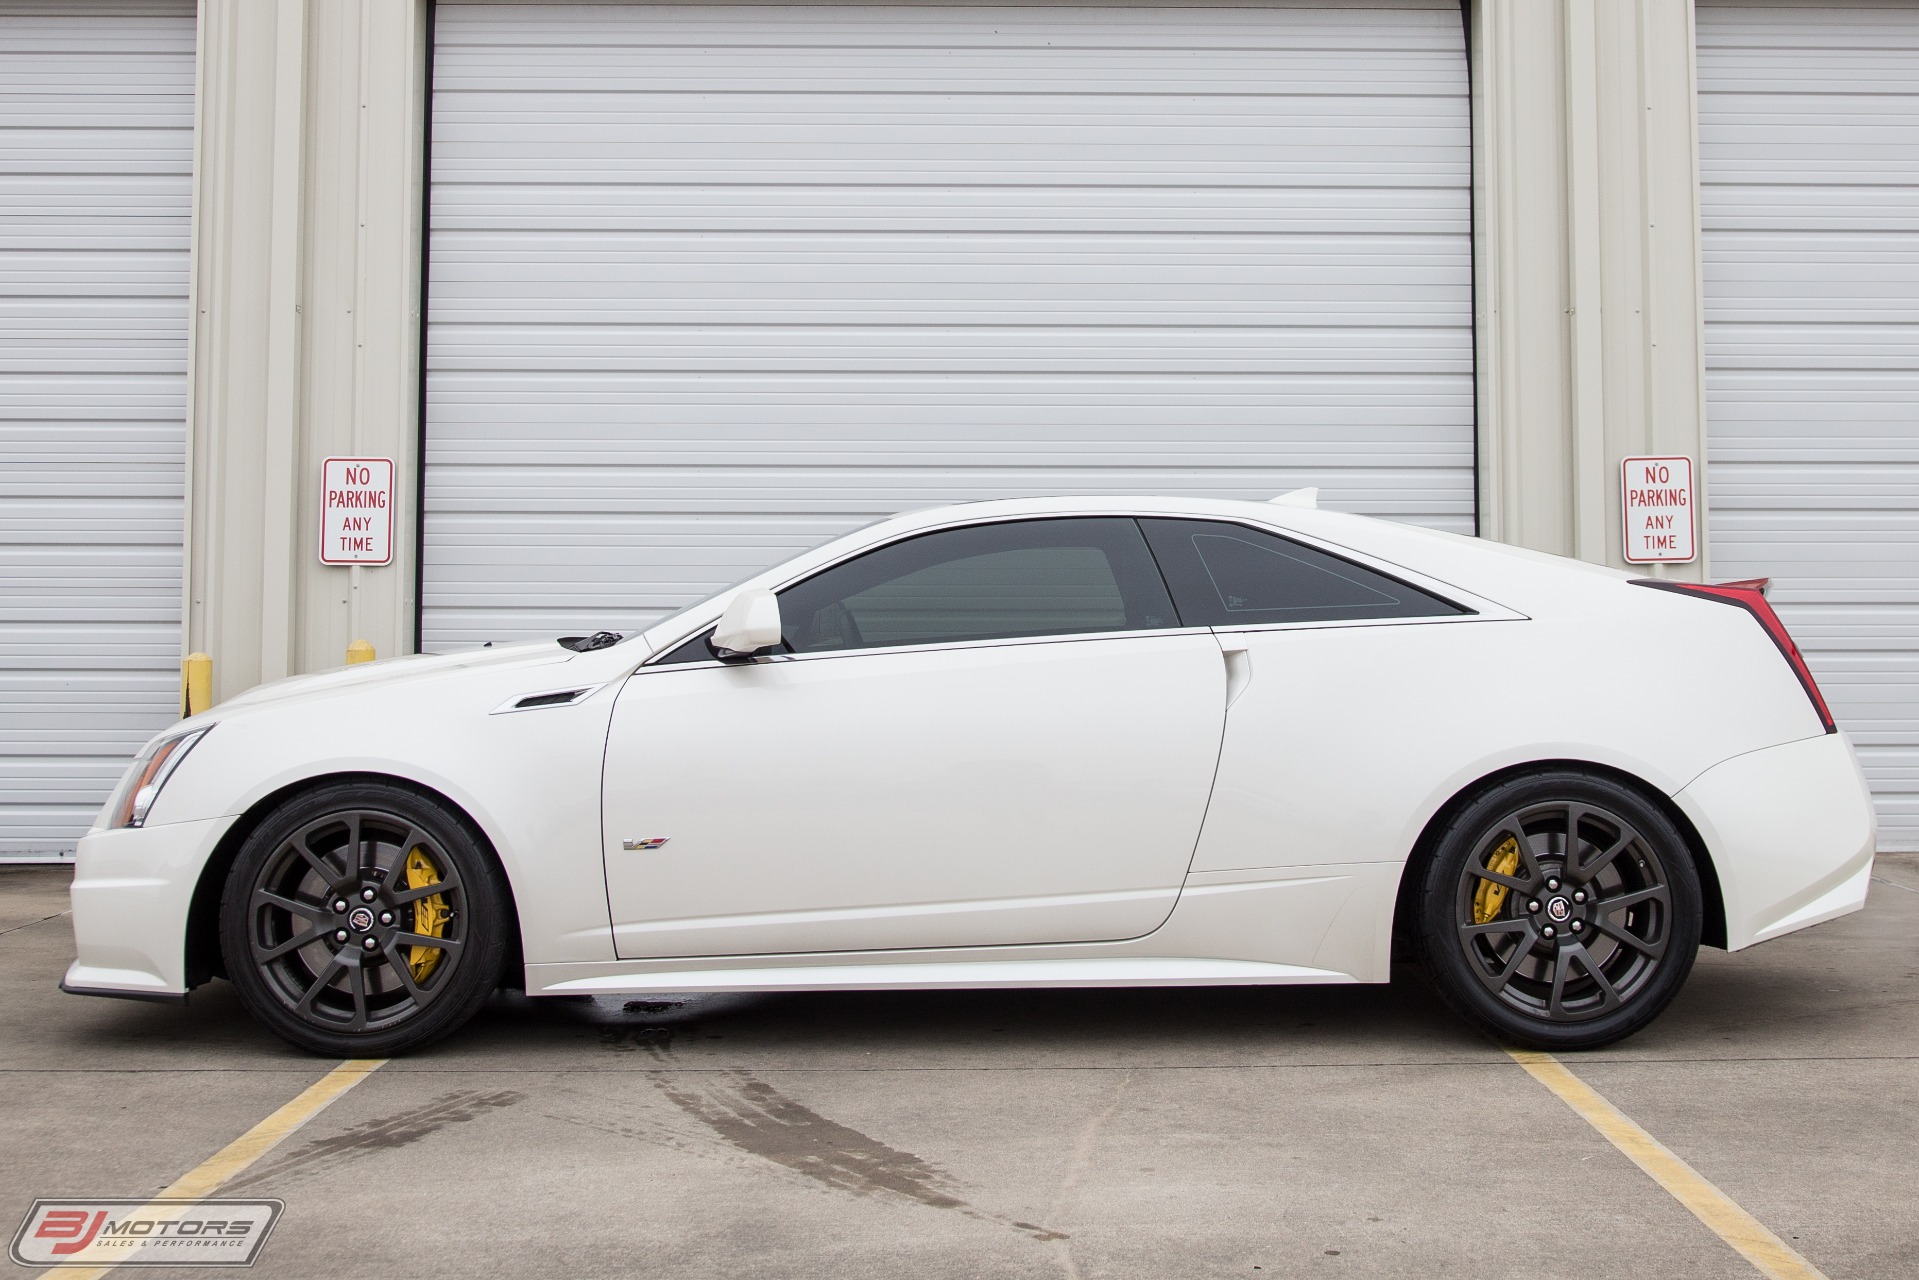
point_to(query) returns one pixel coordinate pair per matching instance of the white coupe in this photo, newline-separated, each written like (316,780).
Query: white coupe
(1061,743)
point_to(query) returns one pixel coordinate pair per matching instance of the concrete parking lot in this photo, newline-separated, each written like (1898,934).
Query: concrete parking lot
(1228,1132)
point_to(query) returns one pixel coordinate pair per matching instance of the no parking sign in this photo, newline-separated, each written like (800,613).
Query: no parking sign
(356,511)
(1660,524)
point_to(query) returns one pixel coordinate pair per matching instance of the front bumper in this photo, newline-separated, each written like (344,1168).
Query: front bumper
(132,891)
(1792,833)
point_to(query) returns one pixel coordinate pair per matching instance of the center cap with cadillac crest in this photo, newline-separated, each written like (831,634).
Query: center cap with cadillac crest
(361,920)
(1558,908)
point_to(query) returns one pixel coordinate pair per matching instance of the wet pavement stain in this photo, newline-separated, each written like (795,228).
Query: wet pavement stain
(758,1119)
(658,1040)
(384,1134)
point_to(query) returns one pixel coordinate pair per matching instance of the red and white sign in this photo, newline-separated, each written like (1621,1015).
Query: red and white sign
(1660,523)
(356,511)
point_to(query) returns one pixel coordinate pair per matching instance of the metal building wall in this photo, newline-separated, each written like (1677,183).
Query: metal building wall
(96,152)
(1809,141)
(709,284)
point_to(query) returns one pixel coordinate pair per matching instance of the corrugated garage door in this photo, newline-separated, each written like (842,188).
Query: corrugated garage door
(1809,150)
(96,154)
(710,284)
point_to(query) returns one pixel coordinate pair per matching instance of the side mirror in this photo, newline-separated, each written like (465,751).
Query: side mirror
(750,624)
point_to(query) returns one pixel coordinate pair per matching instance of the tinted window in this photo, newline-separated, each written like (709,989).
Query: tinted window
(1226,574)
(1023,578)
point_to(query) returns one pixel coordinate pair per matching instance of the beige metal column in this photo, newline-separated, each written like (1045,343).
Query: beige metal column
(1590,306)
(305,339)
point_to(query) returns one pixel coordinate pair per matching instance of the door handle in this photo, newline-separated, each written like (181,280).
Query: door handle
(1239,671)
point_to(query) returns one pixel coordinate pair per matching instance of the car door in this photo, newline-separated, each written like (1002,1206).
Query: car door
(992,734)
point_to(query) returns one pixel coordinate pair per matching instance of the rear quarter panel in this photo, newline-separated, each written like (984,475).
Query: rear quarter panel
(1347,740)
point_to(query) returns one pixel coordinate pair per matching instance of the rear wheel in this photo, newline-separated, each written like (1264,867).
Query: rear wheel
(363,920)
(1560,910)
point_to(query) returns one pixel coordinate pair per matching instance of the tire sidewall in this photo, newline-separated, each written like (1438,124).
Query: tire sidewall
(481,962)
(1437,932)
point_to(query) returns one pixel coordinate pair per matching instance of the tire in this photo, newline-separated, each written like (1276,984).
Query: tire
(1553,951)
(371,955)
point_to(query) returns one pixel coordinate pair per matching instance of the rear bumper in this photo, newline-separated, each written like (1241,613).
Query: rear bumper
(132,890)
(1791,832)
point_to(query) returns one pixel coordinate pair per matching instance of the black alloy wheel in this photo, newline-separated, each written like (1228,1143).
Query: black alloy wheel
(363,920)
(1560,910)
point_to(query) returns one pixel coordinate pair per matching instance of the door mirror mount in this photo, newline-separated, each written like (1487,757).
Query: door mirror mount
(750,625)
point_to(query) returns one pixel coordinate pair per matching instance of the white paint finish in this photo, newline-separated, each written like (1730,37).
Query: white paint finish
(932,976)
(530,782)
(1319,927)
(1337,751)
(1329,756)
(1800,818)
(96,149)
(1038,791)
(130,895)
(1809,138)
(712,284)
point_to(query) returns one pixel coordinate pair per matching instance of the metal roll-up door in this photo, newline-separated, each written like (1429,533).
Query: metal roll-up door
(96,155)
(709,284)
(1809,161)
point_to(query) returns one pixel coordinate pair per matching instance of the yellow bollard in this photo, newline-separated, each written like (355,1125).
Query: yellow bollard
(196,683)
(359,651)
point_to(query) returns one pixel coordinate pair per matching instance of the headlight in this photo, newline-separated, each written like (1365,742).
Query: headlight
(141,785)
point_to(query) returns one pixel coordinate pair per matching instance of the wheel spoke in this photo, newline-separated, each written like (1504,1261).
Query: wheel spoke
(1495,926)
(333,966)
(1497,980)
(448,945)
(356,846)
(1652,949)
(1609,997)
(1510,831)
(447,884)
(1516,885)
(1586,870)
(1562,969)
(403,969)
(293,906)
(264,954)
(333,876)
(1619,902)
(356,978)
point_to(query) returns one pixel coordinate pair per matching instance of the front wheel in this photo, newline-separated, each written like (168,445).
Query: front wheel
(1560,911)
(362,920)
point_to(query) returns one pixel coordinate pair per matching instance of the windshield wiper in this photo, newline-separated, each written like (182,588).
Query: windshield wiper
(587,644)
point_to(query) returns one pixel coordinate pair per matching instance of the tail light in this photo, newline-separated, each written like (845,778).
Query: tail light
(1750,594)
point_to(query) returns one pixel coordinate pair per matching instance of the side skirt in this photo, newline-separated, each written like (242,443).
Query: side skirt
(620,976)
(1272,925)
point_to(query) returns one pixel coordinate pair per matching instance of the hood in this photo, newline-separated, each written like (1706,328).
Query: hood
(424,666)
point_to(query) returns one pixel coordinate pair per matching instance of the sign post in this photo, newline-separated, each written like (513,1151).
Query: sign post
(356,511)
(1660,523)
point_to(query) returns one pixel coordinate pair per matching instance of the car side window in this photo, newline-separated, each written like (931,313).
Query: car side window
(1225,574)
(983,582)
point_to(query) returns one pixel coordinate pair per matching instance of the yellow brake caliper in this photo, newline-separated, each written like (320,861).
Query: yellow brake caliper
(1490,897)
(430,914)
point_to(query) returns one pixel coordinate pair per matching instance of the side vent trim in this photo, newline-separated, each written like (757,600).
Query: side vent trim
(546,699)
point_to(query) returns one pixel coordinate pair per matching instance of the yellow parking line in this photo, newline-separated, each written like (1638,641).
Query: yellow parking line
(1766,1251)
(230,1160)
